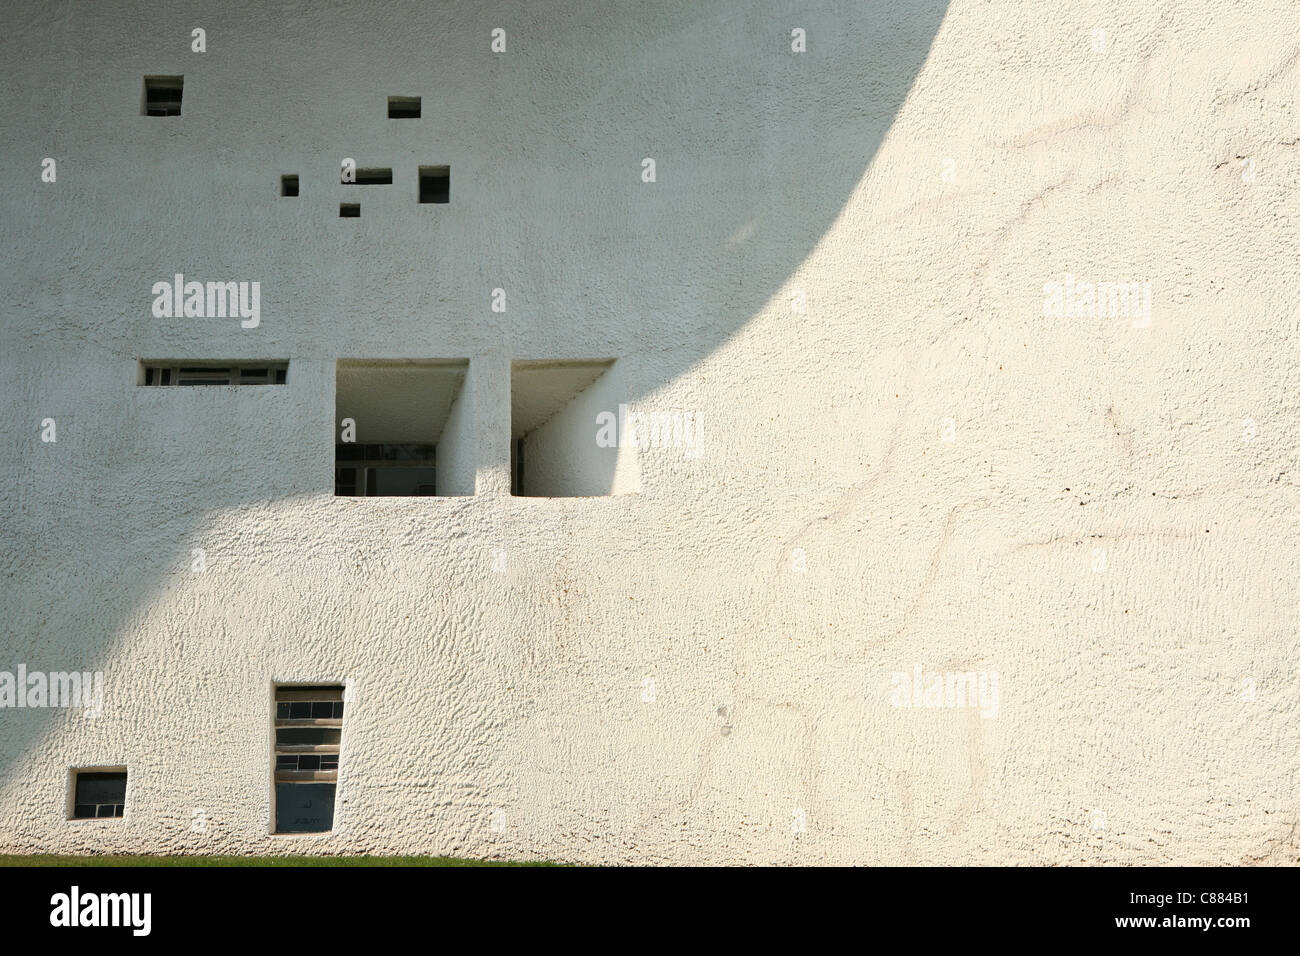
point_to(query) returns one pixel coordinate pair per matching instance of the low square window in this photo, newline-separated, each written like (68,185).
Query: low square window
(182,372)
(98,794)
(403,107)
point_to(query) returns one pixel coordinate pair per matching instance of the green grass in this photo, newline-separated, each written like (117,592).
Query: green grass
(7,860)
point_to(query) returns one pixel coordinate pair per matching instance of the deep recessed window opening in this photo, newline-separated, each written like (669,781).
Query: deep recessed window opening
(349,210)
(403,107)
(555,409)
(98,793)
(374,176)
(162,95)
(180,372)
(308,734)
(288,185)
(384,470)
(435,184)
(404,429)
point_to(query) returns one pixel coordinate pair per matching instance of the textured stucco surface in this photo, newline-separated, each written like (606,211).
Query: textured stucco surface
(828,536)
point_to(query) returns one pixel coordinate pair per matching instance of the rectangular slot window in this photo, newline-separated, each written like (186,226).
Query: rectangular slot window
(98,793)
(373,177)
(349,210)
(308,733)
(214,373)
(404,429)
(288,185)
(162,95)
(403,107)
(435,184)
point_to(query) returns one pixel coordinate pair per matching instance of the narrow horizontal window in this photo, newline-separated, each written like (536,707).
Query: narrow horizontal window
(349,210)
(403,107)
(373,177)
(214,373)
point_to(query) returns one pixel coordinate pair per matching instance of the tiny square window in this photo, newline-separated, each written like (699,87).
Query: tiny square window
(98,793)
(162,95)
(349,210)
(435,184)
(403,107)
(288,185)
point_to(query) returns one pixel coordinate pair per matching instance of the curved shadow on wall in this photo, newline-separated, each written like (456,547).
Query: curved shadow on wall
(757,148)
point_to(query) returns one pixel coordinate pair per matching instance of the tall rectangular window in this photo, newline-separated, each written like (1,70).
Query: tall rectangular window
(435,184)
(308,731)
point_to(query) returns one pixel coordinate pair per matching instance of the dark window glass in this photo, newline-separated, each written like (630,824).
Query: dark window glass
(162,95)
(399,481)
(374,177)
(310,736)
(435,184)
(304,807)
(99,794)
(403,107)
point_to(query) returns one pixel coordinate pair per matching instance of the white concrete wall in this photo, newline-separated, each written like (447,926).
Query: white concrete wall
(686,673)
(456,459)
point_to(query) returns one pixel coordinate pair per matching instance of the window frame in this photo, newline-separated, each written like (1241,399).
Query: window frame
(315,693)
(168,373)
(75,772)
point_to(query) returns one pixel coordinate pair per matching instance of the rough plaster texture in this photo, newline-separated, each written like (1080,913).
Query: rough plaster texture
(828,536)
